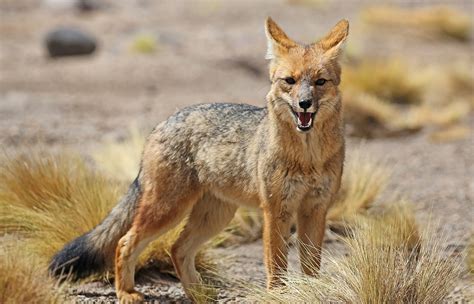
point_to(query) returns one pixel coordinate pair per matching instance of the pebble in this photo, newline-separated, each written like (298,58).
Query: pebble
(67,41)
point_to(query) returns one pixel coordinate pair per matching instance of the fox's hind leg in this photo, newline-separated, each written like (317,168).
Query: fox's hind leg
(160,209)
(208,217)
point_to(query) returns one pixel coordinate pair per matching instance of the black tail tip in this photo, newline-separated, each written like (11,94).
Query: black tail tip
(77,260)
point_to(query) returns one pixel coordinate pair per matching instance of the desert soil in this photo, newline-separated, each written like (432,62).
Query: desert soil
(211,51)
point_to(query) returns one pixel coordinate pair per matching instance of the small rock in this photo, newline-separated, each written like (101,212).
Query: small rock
(69,42)
(88,5)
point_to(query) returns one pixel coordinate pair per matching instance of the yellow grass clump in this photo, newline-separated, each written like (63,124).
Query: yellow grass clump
(144,44)
(443,21)
(369,116)
(388,262)
(386,98)
(51,199)
(462,82)
(121,160)
(245,227)
(470,255)
(308,3)
(447,119)
(452,133)
(390,80)
(376,94)
(22,279)
(363,180)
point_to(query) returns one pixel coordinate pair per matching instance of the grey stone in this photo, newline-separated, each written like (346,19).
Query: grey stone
(69,42)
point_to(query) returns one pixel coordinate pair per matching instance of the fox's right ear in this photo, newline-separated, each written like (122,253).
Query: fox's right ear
(278,43)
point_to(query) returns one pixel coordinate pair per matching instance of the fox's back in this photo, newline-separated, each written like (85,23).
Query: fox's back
(216,121)
(209,142)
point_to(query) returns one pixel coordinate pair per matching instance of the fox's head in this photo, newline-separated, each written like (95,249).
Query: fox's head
(304,78)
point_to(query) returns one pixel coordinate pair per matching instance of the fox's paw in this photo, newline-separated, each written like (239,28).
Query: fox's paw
(133,297)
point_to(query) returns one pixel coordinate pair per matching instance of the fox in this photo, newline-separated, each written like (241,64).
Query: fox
(207,160)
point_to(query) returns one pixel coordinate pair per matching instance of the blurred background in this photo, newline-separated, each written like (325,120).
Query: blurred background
(89,79)
(408,64)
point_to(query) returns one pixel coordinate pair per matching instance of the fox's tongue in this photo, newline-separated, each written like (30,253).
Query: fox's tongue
(304,118)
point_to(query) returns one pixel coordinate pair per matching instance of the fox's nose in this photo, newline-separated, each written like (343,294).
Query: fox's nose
(305,104)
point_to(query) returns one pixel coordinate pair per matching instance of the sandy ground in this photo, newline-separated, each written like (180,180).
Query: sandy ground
(209,51)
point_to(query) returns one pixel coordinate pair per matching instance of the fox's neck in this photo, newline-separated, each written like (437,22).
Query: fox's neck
(309,148)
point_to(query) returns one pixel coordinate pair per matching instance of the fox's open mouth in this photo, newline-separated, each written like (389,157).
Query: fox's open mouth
(304,120)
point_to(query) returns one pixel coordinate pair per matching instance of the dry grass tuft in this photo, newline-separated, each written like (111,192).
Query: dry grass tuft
(144,44)
(453,133)
(308,3)
(57,198)
(461,80)
(363,180)
(121,160)
(204,293)
(376,95)
(52,197)
(388,80)
(442,115)
(22,280)
(470,255)
(442,21)
(393,226)
(388,262)
(385,99)
(246,227)
(369,116)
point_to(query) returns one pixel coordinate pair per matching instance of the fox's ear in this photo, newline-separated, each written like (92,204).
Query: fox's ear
(278,43)
(333,43)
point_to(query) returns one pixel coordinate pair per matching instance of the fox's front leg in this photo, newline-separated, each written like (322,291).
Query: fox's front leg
(276,231)
(311,224)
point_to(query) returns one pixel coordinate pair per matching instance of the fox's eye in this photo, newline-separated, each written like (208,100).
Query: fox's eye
(290,80)
(320,81)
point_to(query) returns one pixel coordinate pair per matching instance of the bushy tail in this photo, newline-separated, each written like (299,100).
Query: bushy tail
(93,252)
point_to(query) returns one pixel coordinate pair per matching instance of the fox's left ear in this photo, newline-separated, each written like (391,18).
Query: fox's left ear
(278,43)
(333,43)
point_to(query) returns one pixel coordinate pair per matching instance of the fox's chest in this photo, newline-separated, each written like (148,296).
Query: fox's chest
(298,186)
(317,175)
(283,184)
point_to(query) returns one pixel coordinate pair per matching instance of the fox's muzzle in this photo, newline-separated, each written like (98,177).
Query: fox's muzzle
(306,108)
(305,96)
